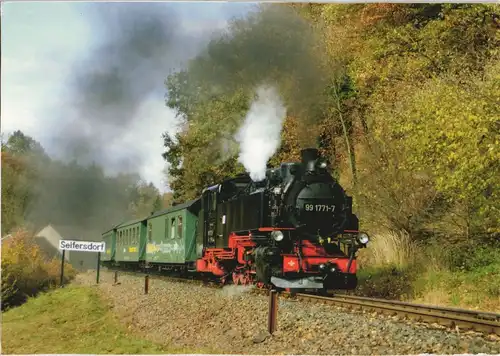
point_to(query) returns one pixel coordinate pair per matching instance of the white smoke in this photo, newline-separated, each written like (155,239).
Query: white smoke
(259,136)
(232,290)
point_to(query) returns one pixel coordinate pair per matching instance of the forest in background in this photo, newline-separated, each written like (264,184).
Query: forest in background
(38,190)
(404,101)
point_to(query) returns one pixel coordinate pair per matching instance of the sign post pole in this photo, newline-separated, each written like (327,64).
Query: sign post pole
(83,246)
(62,268)
(98,265)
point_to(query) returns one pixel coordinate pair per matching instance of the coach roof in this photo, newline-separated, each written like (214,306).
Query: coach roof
(174,208)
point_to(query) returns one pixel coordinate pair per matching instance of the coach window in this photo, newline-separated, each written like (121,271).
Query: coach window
(150,231)
(120,238)
(166,228)
(172,228)
(137,235)
(179,227)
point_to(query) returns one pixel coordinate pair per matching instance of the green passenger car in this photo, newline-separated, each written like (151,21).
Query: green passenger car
(109,237)
(171,234)
(131,241)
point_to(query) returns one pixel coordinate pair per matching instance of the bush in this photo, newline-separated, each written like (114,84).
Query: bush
(26,271)
(387,282)
(471,257)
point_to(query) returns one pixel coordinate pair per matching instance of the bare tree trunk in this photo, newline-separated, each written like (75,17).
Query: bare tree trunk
(348,143)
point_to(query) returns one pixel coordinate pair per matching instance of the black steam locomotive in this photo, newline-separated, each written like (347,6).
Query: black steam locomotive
(294,230)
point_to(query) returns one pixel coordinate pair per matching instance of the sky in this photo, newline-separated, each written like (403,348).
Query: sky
(43,43)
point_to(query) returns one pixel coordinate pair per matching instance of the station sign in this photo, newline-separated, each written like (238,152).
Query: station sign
(84,246)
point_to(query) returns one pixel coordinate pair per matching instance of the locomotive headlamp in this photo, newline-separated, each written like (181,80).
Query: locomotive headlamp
(277,235)
(363,238)
(322,266)
(322,165)
(333,269)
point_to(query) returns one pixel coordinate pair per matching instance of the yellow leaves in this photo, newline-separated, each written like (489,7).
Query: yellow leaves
(25,269)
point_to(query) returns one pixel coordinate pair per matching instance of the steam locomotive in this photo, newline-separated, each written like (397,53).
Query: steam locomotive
(293,230)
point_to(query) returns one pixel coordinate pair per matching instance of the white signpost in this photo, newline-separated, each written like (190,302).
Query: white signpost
(83,246)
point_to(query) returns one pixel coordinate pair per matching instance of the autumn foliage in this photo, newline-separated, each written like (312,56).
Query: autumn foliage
(401,98)
(26,271)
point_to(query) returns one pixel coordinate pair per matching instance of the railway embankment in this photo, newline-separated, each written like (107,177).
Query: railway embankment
(233,320)
(70,320)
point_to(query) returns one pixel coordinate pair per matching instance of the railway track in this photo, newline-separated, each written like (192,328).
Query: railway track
(485,322)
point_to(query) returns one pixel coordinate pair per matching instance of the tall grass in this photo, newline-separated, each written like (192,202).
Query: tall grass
(26,270)
(389,249)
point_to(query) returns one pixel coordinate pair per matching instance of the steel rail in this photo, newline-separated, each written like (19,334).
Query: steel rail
(485,322)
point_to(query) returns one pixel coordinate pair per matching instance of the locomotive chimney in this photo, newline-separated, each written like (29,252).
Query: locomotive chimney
(309,157)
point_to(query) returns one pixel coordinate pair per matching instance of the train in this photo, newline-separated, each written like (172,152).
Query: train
(293,230)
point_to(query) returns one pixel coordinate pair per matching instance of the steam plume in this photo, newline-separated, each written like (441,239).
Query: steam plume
(140,44)
(273,44)
(259,136)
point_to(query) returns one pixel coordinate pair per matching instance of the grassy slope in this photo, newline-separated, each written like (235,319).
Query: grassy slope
(70,320)
(395,269)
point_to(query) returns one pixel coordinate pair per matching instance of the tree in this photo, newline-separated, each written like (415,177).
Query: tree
(451,132)
(145,200)
(22,159)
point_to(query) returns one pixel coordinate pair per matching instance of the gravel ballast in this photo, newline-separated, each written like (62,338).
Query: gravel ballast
(231,320)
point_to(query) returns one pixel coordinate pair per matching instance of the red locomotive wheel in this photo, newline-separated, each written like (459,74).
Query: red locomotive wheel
(246,279)
(260,285)
(236,278)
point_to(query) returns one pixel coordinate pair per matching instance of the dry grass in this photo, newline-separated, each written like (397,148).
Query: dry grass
(389,248)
